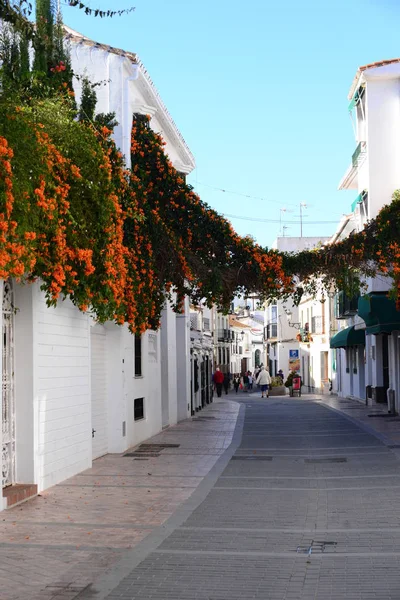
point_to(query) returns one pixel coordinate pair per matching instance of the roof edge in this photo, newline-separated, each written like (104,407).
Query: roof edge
(78,38)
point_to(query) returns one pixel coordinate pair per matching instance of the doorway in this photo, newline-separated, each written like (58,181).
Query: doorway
(98,339)
(8,396)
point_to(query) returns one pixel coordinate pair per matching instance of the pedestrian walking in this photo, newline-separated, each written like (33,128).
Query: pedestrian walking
(264,380)
(218,379)
(246,382)
(226,382)
(236,382)
(250,376)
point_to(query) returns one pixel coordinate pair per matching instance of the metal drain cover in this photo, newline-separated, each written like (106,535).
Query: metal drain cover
(158,446)
(339,459)
(251,457)
(316,547)
(143,454)
(381,415)
(150,450)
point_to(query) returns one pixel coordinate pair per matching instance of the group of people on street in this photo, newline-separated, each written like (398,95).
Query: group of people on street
(244,382)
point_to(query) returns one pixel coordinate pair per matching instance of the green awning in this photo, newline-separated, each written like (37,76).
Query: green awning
(379,313)
(348,337)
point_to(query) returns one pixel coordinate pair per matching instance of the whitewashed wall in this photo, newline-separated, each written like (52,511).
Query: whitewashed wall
(62,369)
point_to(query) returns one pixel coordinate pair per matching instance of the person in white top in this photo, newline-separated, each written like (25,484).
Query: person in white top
(264,380)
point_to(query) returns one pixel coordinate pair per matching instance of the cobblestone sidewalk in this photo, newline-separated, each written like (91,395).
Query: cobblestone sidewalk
(57,545)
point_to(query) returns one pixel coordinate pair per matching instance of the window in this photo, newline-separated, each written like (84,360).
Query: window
(138,355)
(138,409)
(152,342)
(274,314)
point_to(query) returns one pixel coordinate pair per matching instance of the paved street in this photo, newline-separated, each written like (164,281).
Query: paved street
(77,531)
(306,508)
(303,504)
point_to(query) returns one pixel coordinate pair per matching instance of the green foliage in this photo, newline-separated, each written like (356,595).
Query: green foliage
(276,382)
(88,101)
(289,380)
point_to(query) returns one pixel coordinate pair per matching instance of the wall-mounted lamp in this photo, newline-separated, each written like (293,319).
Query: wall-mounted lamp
(241,335)
(289,318)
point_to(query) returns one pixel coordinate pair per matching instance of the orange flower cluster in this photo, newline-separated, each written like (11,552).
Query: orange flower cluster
(123,243)
(15,253)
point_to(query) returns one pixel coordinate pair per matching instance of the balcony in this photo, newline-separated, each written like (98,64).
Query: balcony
(317,325)
(349,180)
(271,331)
(304,335)
(344,306)
(224,335)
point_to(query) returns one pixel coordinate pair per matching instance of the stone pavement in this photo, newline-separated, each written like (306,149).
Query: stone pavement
(80,530)
(304,506)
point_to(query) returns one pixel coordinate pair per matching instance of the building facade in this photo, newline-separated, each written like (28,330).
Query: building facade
(74,390)
(367,344)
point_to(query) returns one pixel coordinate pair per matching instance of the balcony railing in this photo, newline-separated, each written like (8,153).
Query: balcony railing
(359,154)
(304,335)
(206,324)
(344,306)
(317,325)
(225,335)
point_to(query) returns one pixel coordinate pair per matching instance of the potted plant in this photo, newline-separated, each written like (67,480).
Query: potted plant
(277,387)
(289,381)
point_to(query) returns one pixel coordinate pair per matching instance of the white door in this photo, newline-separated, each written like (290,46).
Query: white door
(99,391)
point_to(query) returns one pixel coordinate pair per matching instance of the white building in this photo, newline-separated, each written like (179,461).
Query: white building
(370,372)
(74,390)
(286,324)
(201,357)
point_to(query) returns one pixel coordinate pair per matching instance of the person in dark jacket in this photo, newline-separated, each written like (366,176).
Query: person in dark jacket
(236,382)
(218,379)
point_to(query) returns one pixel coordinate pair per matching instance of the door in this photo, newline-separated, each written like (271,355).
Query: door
(99,391)
(8,400)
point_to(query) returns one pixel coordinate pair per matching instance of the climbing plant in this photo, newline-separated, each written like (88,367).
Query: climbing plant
(121,242)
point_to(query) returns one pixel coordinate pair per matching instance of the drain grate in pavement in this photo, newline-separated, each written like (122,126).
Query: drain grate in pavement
(143,454)
(339,459)
(316,547)
(251,458)
(69,591)
(158,446)
(150,450)
(381,415)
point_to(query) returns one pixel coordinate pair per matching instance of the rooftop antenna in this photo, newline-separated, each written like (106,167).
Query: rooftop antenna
(284,229)
(283,210)
(302,205)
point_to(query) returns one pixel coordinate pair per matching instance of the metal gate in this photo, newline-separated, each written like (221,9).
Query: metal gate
(8,401)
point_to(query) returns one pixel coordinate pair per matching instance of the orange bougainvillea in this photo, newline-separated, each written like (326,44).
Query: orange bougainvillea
(121,243)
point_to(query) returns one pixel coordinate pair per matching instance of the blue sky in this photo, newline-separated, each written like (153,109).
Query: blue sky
(259,92)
